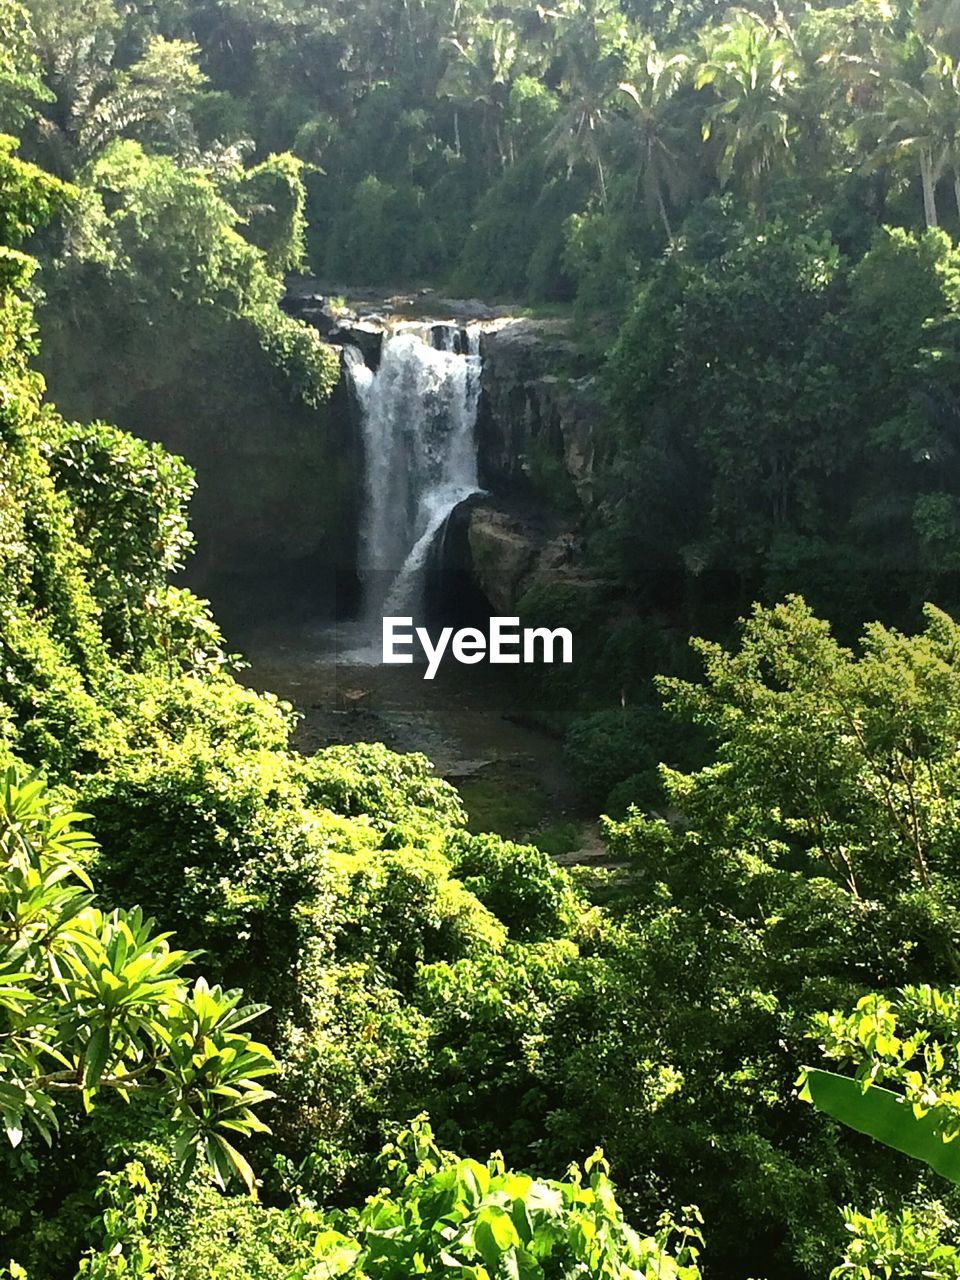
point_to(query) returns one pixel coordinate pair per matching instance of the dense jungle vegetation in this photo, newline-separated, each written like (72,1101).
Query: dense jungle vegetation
(267,1016)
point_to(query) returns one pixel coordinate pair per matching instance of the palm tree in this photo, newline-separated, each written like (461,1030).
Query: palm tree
(591,47)
(923,124)
(751,69)
(487,57)
(652,92)
(91,101)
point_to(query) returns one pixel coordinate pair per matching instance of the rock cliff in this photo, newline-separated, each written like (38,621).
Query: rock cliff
(278,484)
(539,431)
(540,413)
(539,423)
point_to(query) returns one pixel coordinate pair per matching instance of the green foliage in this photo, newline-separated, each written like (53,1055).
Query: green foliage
(608,747)
(128,500)
(220,843)
(399,794)
(910,1041)
(94,1001)
(783,406)
(866,788)
(270,198)
(150,101)
(492,1067)
(884,1115)
(802,409)
(434,1210)
(789,878)
(896,1246)
(372,223)
(515,246)
(156,232)
(20,85)
(482,1219)
(520,884)
(30,198)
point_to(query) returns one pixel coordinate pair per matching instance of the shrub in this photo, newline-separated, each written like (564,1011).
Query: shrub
(520,884)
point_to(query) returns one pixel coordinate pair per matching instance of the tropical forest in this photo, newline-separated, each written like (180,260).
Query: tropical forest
(479,640)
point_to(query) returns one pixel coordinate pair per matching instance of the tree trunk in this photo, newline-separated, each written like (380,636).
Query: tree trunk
(928,178)
(602,180)
(956,190)
(663,216)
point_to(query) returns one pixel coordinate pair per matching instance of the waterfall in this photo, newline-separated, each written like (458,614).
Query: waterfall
(418,413)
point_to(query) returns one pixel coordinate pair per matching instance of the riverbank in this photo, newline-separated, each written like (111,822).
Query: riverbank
(511,775)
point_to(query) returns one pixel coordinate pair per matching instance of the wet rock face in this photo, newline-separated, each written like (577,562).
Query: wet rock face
(540,403)
(507,548)
(503,555)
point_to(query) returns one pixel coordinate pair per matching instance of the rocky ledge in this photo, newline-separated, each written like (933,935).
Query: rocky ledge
(508,548)
(540,414)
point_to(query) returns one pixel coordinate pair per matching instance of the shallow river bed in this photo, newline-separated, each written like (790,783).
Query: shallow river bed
(511,775)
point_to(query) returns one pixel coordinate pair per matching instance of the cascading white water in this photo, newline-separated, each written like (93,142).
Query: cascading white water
(419,413)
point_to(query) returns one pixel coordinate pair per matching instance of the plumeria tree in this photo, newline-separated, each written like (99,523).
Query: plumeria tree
(95,1002)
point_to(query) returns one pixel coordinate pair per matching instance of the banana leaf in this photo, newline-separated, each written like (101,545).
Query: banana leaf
(883,1115)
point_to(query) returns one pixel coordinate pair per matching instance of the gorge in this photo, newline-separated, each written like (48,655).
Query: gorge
(288,518)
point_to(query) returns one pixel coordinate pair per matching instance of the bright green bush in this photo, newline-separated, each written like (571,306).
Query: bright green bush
(899,1246)
(492,1072)
(401,908)
(520,884)
(434,1211)
(399,794)
(220,843)
(128,501)
(95,1002)
(163,235)
(270,198)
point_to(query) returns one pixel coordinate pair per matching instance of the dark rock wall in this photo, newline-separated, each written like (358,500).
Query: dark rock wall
(540,416)
(276,508)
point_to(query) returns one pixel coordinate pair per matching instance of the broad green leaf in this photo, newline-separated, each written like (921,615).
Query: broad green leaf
(95,1057)
(879,1113)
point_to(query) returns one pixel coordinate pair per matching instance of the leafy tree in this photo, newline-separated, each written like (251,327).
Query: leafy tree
(660,143)
(166,234)
(593,48)
(20,85)
(867,794)
(750,68)
(481,74)
(94,1001)
(433,1210)
(93,97)
(826,881)
(924,125)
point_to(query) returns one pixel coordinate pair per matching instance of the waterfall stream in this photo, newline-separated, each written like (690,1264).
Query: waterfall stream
(418,413)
